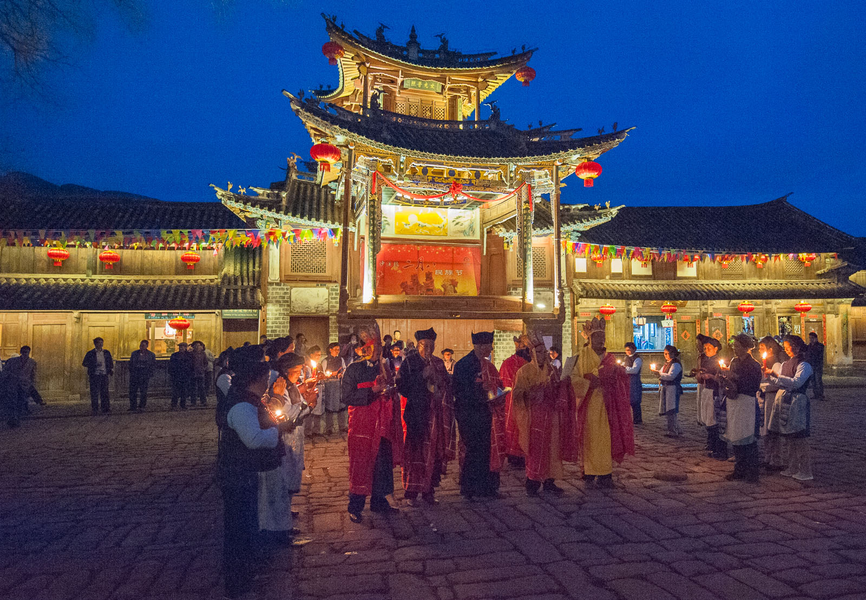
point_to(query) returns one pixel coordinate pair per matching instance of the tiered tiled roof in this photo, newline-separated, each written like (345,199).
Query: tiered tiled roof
(489,141)
(771,227)
(715,290)
(107,293)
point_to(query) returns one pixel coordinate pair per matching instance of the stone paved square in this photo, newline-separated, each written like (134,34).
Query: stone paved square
(126,506)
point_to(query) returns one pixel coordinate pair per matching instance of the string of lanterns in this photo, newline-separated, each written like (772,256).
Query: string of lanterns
(669,308)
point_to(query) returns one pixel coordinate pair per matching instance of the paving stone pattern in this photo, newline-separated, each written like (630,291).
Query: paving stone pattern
(125,506)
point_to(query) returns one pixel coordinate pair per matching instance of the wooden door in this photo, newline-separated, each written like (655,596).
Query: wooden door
(686,343)
(48,349)
(315,329)
(816,325)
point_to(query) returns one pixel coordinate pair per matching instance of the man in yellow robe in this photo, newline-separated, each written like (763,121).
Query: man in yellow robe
(604,424)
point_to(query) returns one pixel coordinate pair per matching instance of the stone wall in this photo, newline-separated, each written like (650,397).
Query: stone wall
(278,310)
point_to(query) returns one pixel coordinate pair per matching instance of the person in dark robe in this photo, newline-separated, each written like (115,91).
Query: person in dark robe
(815,357)
(633,364)
(368,391)
(474,420)
(428,419)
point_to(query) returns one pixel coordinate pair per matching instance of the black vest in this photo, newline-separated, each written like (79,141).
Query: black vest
(235,458)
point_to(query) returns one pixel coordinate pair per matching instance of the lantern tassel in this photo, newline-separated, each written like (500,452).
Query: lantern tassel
(323,166)
(588,182)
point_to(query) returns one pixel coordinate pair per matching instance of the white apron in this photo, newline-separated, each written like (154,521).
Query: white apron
(706,409)
(740,429)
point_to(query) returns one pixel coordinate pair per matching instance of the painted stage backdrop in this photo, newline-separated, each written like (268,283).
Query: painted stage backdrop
(428,270)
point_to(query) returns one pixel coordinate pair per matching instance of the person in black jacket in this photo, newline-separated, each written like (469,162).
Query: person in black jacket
(142,364)
(248,445)
(100,367)
(180,373)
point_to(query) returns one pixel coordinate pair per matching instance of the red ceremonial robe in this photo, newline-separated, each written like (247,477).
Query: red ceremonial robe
(498,428)
(507,372)
(615,391)
(545,409)
(425,457)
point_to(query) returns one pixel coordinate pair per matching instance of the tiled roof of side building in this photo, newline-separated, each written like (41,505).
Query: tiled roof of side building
(119,214)
(489,140)
(79,293)
(772,227)
(296,201)
(716,290)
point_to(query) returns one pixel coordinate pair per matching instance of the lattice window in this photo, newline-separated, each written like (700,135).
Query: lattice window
(540,264)
(794,269)
(309,258)
(439,112)
(414,109)
(427,110)
(400,107)
(736,270)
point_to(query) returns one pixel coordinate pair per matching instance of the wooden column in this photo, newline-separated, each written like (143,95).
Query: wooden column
(344,247)
(373,244)
(524,212)
(478,103)
(557,246)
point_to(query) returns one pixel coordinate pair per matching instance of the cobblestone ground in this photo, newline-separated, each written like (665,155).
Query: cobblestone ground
(125,506)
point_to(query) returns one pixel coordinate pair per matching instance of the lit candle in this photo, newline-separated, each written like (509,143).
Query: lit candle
(765,360)
(721,363)
(653,367)
(313,364)
(327,373)
(278,412)
(618,361)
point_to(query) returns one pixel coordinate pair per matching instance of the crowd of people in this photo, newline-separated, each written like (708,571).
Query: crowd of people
(745,402)
(401,405)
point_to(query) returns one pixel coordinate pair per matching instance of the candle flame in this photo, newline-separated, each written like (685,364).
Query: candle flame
(653,366)
(278,412)
(327,373)
(312,364)
(765,356)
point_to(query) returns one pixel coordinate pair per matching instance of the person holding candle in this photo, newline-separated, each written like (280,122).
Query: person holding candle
(544,408)
(288,397)
(792,411)
(248,445)
(428,419)
(313,370)
(605,427)
(772,357)
(707,376)
(333,367)
(741,383)
(670,375)
(633,367)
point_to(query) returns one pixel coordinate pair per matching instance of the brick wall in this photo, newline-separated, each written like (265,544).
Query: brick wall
(503,346)
(278,310)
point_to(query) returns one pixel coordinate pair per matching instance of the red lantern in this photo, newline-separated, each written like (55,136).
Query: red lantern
(598,259)
(190,259)
(524,75)
(588,171)
(760,260)
(607,310)
(808,258)
(669,308)
(746,307)
(108,258)
(179,323)
(726,260)
(333,51)
(326,155)
(802,307)
(58,255)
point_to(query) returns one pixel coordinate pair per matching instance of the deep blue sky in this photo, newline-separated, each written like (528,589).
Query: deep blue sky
(734,102)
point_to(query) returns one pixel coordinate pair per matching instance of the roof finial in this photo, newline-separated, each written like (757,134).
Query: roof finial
(413,35)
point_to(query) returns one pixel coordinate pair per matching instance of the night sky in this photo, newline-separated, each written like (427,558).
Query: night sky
(734,102)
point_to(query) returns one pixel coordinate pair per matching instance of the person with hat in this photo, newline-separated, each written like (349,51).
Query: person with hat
(707,376)
(741,382)
(373,439)
(291,399)
(670,389)
(605,426)
(428,418)
(544,409)
(507,372)
(476,384)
